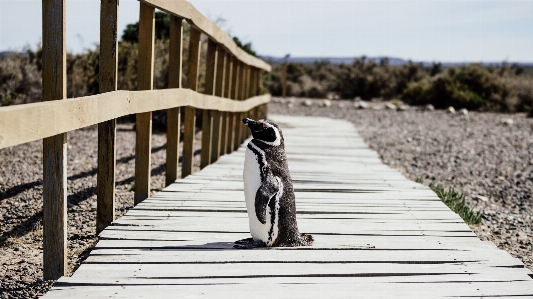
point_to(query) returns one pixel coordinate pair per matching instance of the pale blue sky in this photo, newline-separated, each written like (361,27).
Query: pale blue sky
(429,30)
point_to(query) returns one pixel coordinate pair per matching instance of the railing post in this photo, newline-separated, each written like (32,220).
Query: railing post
(190,112)
(208,115)
(174,114)
(143,146)
(242,97)
(55,147)
(226,115)
(105,208)
(229,115)
(217,115)
(236,96)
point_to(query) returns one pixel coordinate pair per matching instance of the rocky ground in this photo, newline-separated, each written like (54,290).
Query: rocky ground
(486,156)
(21,203)
(480,154)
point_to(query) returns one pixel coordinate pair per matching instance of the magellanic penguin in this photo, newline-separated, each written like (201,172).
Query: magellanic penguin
(268,190)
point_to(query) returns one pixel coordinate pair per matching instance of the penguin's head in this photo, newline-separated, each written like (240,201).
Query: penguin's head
(264,130)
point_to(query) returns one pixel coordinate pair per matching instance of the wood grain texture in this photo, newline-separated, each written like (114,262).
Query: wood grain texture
(193,16)
(29,122)
(393,238)
(231,132)
(143,145)
(216,134)
(55,147)
(207,130)
(105,209)
(207,116)
(174,114)
(188,141)
(189,127)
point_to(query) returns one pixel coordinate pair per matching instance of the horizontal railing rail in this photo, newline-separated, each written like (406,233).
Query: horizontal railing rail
(232,90)
(29,122)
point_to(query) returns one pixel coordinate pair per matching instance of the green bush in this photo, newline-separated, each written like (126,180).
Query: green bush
(473,87)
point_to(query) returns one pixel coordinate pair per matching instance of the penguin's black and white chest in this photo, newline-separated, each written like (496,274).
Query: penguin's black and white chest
(256,176)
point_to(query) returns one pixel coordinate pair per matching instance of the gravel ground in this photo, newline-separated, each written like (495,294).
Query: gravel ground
(492,163)
(21,203)
(478,154)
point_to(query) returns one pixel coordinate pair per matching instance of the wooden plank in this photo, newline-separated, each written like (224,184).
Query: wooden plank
(226,129)
(55,147)
(194,17)
(208,115)
(143,144)
(217,135)
(190,112)
(389,239)
(230,132)
(28,122)
(105,209)
(174,114)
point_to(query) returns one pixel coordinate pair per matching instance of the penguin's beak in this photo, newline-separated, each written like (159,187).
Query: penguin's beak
(253,125)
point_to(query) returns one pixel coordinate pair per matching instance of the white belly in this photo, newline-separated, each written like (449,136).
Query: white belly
(252,182)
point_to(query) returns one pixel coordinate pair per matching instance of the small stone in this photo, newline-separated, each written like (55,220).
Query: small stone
(390,106)
(463,111)
(307,103)
(451,110)
(429,107)
(403,108)
(507,121)
(482,198)
(363,104)
(326,103)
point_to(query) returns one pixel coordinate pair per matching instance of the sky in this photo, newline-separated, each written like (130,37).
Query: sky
(422,30)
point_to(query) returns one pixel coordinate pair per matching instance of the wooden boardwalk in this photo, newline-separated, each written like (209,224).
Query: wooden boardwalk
(377,235)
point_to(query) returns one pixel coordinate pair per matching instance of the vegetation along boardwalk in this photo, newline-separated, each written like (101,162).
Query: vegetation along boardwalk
(377,235)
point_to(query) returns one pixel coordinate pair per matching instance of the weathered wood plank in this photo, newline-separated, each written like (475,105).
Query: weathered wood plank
(190,112)
(143,144)
(105,211)
(373,229)
(216,133)
(174,114)
(55,147)
(208,115)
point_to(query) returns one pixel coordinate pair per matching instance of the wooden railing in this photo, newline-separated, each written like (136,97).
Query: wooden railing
(232,91)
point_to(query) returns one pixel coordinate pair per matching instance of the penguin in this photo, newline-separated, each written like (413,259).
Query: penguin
(268,190)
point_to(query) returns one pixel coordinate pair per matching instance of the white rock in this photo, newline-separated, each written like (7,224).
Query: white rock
(403,108)
(363,104)
(483,198)
(377,107)
(290,105)
(390,106)
(429,107)
(307,103)
(463,111)
(326,103)
(357,99)
(451,110)
(507,121)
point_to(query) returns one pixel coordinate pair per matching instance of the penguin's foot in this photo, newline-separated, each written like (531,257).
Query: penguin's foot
(244,241)
(248,243)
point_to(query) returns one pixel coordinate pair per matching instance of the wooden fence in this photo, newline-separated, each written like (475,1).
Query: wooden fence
(232,91)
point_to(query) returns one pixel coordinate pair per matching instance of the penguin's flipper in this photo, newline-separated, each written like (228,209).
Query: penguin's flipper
(266,191)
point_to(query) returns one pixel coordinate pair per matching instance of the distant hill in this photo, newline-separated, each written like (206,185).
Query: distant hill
(392,61)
